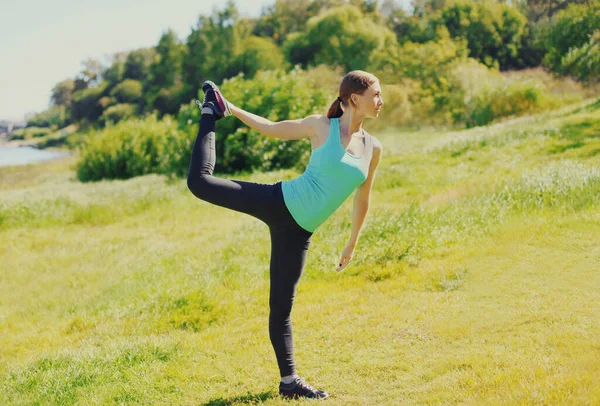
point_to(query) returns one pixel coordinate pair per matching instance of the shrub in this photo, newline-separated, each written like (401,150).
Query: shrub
(429,66)
(132,148)
(30,132)
(276,96)
(570,28)
(258,54)
(85,104)
(584,62)
(341,36)
(488,94)
(128,91)
(53,117)
(493,31)
(118,112)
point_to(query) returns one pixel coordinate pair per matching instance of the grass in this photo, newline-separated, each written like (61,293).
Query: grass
(475,281)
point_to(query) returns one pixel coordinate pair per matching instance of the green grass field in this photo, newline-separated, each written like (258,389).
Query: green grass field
(475,281)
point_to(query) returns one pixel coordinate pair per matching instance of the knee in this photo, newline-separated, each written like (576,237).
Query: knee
(280,311)
(198,185)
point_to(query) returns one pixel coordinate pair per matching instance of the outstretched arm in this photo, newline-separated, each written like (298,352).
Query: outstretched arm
(362,198)
(287,129)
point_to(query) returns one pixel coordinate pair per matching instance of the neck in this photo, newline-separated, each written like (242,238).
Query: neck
(351,121)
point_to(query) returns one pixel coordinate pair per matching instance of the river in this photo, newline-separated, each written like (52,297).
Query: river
(10,156)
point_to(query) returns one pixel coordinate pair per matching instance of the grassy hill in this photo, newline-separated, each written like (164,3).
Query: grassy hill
(475,281)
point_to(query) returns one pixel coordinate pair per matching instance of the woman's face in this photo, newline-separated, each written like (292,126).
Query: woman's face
(369,103)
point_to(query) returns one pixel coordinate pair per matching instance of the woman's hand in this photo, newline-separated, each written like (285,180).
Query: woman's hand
(346,257)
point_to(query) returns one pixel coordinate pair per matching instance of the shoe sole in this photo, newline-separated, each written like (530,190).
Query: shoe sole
(296,396)
(209,85)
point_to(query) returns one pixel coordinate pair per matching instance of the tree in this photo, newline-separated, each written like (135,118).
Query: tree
(258,53)
(62,93)
(536,10)
(165,70)
(570,28)
(164,80)
(493,31)
(342,36)
(137,64)
(85,104)
(128,91)
(212,47)
(584,62)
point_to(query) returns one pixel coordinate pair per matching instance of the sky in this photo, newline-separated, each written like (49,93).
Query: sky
(44,42)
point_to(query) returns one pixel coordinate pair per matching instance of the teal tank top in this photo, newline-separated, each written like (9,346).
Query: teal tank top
(331,175)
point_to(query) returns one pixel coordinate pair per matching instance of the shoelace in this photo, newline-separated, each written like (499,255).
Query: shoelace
(304,385)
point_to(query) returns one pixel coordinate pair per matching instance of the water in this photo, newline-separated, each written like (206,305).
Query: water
(26,155)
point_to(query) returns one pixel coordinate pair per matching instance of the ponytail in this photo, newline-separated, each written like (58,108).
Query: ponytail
(356,81)
(335,110)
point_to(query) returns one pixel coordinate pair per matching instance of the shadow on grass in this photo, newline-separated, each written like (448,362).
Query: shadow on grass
(249,399)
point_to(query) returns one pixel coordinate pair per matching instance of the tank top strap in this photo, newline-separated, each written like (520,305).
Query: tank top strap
(368,146)
(334,128)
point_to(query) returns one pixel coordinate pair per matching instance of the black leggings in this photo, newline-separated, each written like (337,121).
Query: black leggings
(289,241)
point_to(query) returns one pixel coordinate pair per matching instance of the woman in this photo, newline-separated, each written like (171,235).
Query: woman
(344,158)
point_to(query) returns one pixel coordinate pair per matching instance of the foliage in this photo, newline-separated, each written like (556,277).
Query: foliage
(570,28)
(118,112)
(30,132)
(334,37)
(212,46)
(137,64)
(168,100)
(132,148)
(493,30)
(430,65)
(163,88)
(62,93)
(276,96)
(128,91)
(584,62)
(489,95)
(258,54)
(53,117)
(85,104)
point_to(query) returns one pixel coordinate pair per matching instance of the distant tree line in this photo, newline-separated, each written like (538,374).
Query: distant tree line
(562,36)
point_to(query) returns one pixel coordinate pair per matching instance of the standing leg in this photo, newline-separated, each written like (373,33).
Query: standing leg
(289,246)
(255,199)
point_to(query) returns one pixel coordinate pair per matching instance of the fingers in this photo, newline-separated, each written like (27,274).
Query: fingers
(343,263)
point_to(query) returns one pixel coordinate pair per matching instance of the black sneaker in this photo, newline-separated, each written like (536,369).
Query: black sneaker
(214,96)
(299,388)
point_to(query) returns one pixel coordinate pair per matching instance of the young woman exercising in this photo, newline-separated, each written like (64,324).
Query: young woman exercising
(344,158)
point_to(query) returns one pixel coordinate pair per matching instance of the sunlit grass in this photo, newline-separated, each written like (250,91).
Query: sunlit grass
(475,281)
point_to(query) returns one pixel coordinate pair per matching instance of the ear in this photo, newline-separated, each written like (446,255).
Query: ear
(354,99)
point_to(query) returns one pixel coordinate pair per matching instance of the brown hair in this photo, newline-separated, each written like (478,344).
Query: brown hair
(357,81)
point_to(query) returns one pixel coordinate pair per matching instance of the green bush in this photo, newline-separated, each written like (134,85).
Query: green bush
(132,148)
(341,36)
(584,62)
(570,28)
(277,96)
(429,66)
(30,132)
(128,91)
(488,94)
(258,54)
(53,117)
(118,112)
(166,100)
(86,103)
(493,31)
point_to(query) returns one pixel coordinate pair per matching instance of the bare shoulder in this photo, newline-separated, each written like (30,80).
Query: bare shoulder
(377,145)
(319,125)
(317,120)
